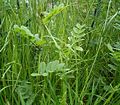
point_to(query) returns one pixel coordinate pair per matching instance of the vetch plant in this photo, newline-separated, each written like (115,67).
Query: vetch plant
(115,50)
(24,91)
(45,69)
(25,32)
(51,55)
(53,13)
(76,38)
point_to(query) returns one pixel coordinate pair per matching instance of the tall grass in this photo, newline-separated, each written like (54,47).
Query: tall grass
(59,52)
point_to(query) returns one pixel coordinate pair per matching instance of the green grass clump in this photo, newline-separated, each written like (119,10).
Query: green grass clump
(59,52)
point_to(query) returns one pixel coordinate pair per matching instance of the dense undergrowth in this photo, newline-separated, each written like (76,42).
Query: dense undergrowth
(59,52)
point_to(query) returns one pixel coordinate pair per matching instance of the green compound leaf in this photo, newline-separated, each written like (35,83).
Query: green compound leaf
(54,12)
(50,67)
(25,32)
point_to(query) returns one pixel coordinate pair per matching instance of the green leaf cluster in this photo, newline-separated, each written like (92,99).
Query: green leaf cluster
(76,37)
(45,69)
(54,12)
(24,91)
(25,32)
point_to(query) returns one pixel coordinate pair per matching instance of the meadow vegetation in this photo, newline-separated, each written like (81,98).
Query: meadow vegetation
(59,52)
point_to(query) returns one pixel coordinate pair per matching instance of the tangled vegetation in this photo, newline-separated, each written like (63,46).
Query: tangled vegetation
(59,52)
